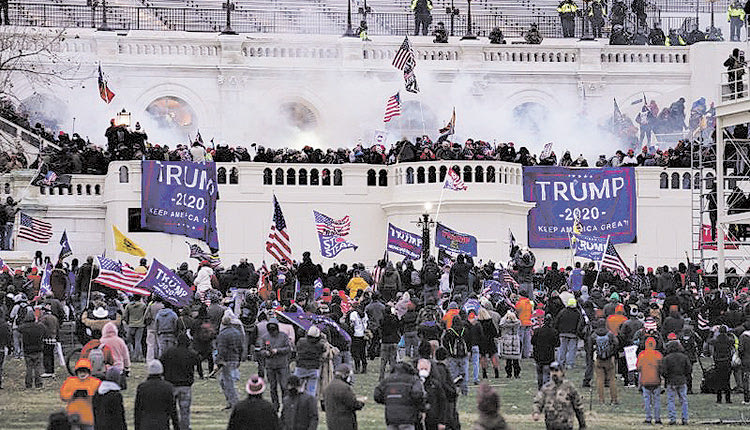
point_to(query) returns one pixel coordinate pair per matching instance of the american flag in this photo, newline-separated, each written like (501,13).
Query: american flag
(4,266)
(328,226)
(199,254)
(34,229)
(119,276)
(392,107)
(612,259)
(404,56)
(454,182)
(278,244)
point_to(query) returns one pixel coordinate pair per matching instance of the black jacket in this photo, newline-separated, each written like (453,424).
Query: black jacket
(33,335)
(459,274)
(391,328)
(402,394)
(254,413)
(309,353)
(341,406)
(567,321)
(544,340)
(155,405)
(179,365)
(675,366)
(300,412)
(109,413)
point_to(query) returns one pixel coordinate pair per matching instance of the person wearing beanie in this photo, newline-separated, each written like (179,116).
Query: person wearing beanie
(179,369)
(109,413)
(391,329)
(229,347)
(78,392)
(133,316)
(544,340)
(154,401)
(300,411)
(276,348)
(605,347)
(310,351)
(341,404)
(674,369)
(559,401)
(32,336)
(721,348)
(254,413)
(488,406)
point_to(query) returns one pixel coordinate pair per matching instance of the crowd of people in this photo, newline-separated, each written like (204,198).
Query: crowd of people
(430,332)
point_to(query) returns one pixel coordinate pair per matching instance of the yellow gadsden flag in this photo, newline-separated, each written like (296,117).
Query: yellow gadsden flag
(124,244)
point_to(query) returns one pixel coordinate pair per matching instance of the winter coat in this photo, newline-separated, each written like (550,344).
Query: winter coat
(544,340)
(109,413)
(744,350)
(134,314)
(648,364)
(341,406)
(179,365)
(675,366)
(229,345)
(300,412)
(120,352)
(510,341)
(155,405)
(402,394)
(254,413)
(310,352)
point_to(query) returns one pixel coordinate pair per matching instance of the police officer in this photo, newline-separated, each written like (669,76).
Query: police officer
(568,10)
(736,19)
(422,15)
(559,401)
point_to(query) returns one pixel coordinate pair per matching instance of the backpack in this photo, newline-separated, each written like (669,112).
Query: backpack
(460,348)
(415,280)
(604,347)
(96,357)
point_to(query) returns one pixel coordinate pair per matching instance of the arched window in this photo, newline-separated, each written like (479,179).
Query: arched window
(79,189)
(314,177)
(467,174)
(234,176)
(338,179)
(279,176)
(686,181)
(675,181)
(479,174)
(409,175)
(432,175)
(420,175)
(371,178)
(663,180)
(291,177)
(124,175)
(490,174)
(97,189)
(443,173)
(383,178)
(70,190)
(326,175)
(302,177)
(267,180)
(88,189)
(221,175)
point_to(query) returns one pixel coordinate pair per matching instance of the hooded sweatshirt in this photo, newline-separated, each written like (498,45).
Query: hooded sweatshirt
(648,364)
(119,349)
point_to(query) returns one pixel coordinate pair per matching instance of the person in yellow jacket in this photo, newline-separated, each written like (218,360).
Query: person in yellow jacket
(78,392)
(422,15)
(567,10)
(674,39)
(356,284)
(736,19)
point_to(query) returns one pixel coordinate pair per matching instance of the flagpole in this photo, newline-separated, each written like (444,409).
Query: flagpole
(440,202)
(600,262)
(421,111)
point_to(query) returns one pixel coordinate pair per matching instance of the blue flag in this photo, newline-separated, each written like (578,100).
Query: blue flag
(404,243)
(305,320)
(455,241)
(590,247)
(44,286)
(318,285)
(330,246)
(165,284)
(65,250)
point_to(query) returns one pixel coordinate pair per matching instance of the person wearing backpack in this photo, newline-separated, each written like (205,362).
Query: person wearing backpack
(430,279)
(454,340)
(605,348)
(99,355)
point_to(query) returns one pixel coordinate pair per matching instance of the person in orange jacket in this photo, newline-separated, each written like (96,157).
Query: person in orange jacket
(78,392)
(615,321)
(524,308)
(648,366)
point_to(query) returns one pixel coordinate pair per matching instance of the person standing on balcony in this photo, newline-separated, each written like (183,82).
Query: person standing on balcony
(568,10)
(736,19)
(735,65)
(4,10)
(422,15)
(597,12)
(639,9)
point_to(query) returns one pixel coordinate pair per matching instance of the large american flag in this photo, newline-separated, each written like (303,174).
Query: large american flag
(278,244)
(119,276)
(392,107)
(404,56)
(612,259)
(34,229)
(328,226)
(454,182)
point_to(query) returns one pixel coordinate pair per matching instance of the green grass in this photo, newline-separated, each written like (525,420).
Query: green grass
(29,409)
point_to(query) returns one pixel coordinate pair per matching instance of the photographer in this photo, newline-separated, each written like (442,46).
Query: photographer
(735,65)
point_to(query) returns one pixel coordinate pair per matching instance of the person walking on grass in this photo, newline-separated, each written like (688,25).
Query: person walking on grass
(559,401)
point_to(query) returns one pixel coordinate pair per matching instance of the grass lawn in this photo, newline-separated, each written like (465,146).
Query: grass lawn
(29,409)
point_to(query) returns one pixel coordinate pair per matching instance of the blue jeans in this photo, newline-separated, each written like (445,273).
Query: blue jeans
(652,399)
(310,378)
(566,354)
(184,397)
(135,342)
(460,367)
(681,392)
(525,335)
(542,375)
(230,373)
(475,362)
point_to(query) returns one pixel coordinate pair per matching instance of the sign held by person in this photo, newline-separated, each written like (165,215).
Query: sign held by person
(404,243)
(455,241)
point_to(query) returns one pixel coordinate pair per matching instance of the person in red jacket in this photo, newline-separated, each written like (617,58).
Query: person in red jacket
(648,364)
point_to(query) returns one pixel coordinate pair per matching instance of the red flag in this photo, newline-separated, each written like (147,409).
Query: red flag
(104,92)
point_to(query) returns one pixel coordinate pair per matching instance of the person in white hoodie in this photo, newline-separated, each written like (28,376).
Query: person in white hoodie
(203,277)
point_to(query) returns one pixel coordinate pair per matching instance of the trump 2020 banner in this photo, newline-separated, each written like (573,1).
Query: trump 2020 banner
(404,243)
(590,247)
(455,241)
(167,285)
(179,197)
(603,200)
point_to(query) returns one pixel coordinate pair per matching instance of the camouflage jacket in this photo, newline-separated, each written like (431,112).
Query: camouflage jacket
(560,404)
